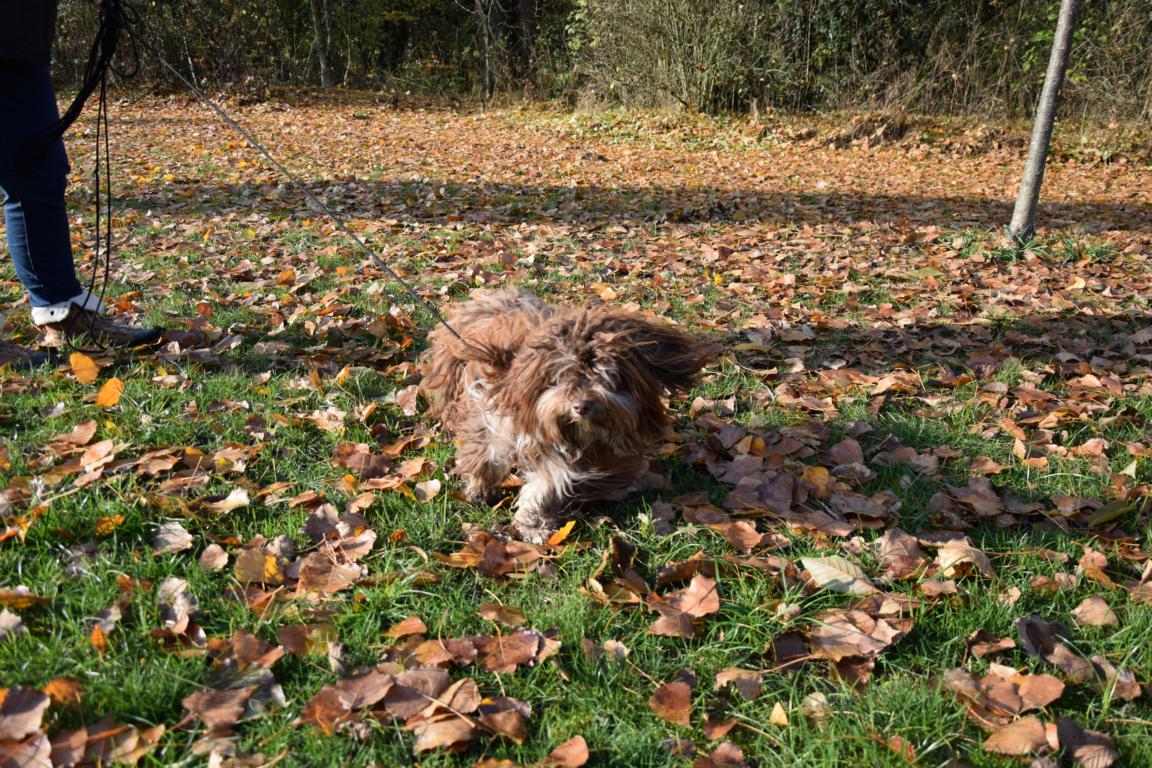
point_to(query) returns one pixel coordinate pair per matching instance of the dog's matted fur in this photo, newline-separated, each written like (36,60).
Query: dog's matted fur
(569,398)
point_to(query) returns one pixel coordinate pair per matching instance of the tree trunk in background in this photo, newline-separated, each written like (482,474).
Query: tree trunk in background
(528,24)
(1023,224)
(484,34)
(319,25)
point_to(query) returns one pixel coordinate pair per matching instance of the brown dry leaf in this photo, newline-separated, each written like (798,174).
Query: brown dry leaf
(900,554)
(171,537)
(572,753)
(35,752)
(504,615)
(83,367)
(1088,749)
(413,625)
(177,605)
(839,575)
(11,625)
(1046,640)
(983,643)
(1018,738)
(504,716)
(673,702)
(327,710)
(959,558)
(236,498)
(21,712)
(726,755)
(307,639)
(110,393)
(679,610)
(748,682)
(447,731)
(504,653)
(213,558)
(1094,611)
(427,490)
(840,633)
(219,710)
(321,572)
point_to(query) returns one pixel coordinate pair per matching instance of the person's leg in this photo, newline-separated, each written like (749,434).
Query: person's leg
(33,177)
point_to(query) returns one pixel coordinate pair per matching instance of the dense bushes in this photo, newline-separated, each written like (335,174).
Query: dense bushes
(984,56)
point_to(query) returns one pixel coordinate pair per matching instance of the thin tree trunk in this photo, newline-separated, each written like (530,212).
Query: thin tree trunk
(1023,224)
(318,26)
(527,18)
(484,28)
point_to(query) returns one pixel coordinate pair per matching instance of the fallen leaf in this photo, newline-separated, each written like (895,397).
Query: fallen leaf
(1094,611)
(1088,749)
(503,615)
(679,610)
(427,490)
(572,753)
(236,498)
(10,625)
(412,625)
(673,702)
(171,537)
(109,394)
(749,682)
(1018,738)
(219,710)
(839,575)
(213,558)
(21,713)
(63,691)
(83,367)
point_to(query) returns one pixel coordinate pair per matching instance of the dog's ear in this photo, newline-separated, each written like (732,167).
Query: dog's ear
(670,355)
(442,367)
(494,356)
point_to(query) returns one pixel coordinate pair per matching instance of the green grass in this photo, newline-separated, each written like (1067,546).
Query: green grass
(206,402)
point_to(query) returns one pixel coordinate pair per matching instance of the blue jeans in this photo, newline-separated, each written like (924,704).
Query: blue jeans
(33,192)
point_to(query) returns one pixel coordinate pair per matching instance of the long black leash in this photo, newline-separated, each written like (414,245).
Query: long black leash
(293,178)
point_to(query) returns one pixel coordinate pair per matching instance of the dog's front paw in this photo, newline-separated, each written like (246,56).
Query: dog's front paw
(533,527)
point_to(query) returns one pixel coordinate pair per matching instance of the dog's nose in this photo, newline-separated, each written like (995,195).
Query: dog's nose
(584,407)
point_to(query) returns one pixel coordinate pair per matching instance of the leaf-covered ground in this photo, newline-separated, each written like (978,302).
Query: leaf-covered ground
(903,521)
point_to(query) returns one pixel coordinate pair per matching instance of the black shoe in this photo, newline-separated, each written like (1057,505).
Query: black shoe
(83,326)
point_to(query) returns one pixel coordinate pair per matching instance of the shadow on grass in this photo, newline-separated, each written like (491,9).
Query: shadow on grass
(436,201)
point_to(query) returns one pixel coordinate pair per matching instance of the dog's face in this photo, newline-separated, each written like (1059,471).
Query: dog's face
(598,376)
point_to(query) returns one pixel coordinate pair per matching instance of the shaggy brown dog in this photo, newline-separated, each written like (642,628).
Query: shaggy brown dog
(569,398)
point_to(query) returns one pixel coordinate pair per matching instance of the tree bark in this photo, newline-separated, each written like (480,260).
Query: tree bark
(484,32)
(323,36)
(1023,225)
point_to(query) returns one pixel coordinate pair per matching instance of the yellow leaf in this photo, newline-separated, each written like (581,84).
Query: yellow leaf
(105,525)
(99,639)
(109,394)
(559,536)
(63,690)
(84,368)
(778,716)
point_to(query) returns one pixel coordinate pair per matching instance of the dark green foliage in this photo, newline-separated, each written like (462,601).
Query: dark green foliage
(983,56)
